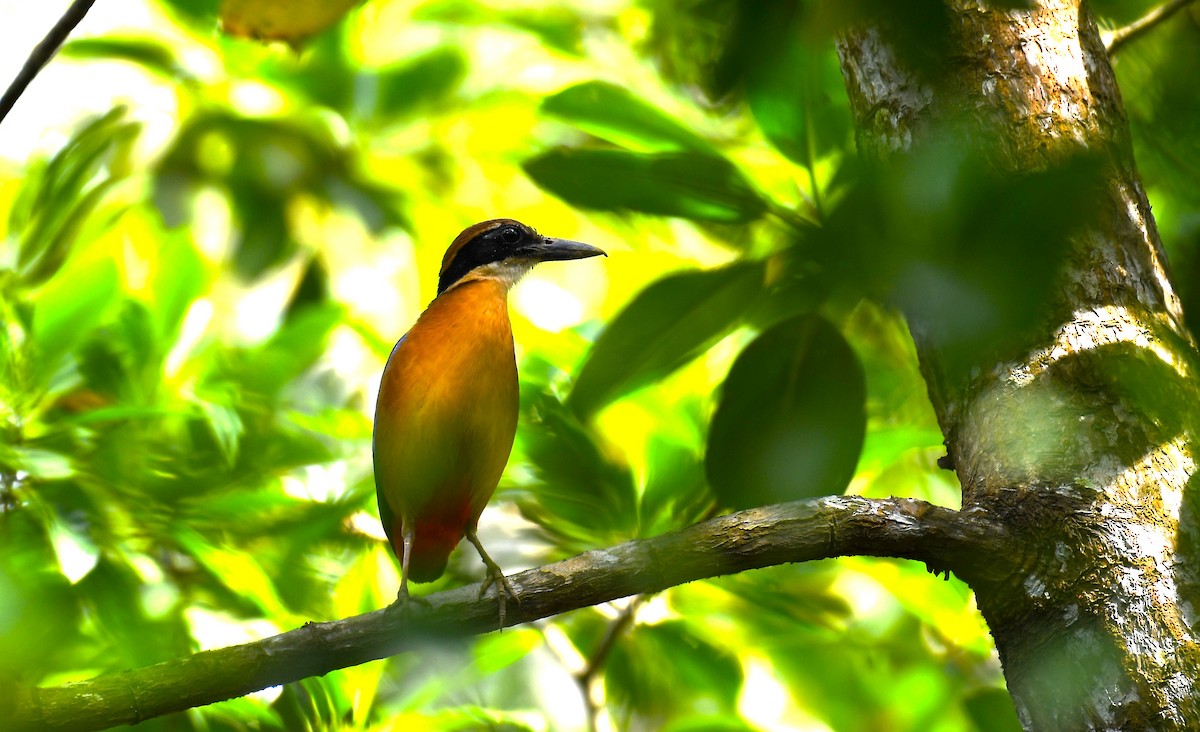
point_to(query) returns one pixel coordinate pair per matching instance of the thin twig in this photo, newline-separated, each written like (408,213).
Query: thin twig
(42,53)
(1113,40)
(595,664)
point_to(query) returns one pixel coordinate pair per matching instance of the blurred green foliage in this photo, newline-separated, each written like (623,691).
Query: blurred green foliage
(194,307)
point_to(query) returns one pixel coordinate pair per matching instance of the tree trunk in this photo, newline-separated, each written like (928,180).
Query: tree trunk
(1080,439)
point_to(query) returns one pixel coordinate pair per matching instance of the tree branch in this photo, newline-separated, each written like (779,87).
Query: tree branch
(1115,39)
(42,53)
(967,542)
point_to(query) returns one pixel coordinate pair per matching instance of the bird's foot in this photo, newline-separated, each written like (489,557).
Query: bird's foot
(495,576)
(504,589)
(403,600)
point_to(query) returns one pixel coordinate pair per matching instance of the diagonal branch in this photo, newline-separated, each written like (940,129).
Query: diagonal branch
(966,542)
(42,53)
(1115,39)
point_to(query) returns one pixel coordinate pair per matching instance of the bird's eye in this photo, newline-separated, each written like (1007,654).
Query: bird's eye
(510,235)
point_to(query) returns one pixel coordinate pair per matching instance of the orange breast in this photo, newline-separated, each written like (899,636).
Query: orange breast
(445,420)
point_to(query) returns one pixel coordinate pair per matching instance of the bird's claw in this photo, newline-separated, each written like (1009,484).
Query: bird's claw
(401,603)
(504,588)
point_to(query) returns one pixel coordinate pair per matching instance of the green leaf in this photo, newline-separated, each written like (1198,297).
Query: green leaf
(202,13)
(117,599)
(180,276)
(312,289)
(38,611)
(675,493)
(498,651)
(124,359)
(149,54)
(225,425)
(780,55)
(686,184)
(580,496)
(40,464)
(561,28)
(72,304)
(235,569)
(266,239)
(76,551)
(700,672)
(614,114)
(799,101)
(51,238)
(290,351)
(665,326)
(59,198)
(791,418)
(427,78)
(795,599)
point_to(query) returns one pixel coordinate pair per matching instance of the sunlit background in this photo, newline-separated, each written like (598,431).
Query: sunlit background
(200,292)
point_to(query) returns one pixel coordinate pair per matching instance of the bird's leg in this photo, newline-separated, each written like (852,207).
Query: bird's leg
(407,533)
(495,576)
(406,541)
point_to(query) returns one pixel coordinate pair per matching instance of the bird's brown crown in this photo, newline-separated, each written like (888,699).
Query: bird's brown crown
(483,243)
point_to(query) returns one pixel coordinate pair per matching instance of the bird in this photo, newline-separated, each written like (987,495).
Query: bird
(446,412)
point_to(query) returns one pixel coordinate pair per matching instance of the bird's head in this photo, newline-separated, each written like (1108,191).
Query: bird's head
(504,250)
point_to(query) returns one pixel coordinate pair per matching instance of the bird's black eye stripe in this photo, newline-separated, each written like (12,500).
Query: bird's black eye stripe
(491,246)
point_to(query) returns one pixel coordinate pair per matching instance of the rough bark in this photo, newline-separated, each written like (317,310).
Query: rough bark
(1079,440)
